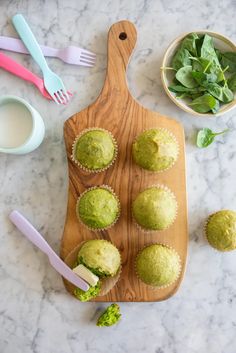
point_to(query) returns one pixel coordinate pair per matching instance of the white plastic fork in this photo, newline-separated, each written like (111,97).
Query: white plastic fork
(52,82)
(71,55)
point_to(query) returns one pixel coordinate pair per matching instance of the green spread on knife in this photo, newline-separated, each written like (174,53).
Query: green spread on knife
(92,292)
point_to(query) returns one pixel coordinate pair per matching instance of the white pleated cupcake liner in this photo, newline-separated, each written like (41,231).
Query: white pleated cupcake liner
(75,160)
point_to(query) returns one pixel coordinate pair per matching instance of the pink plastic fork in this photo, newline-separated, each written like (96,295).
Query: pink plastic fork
(17,69)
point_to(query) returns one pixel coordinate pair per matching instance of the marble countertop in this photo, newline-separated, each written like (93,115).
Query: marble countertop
(36,313)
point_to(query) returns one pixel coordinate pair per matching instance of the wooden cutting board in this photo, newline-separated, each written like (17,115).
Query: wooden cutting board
(117,111)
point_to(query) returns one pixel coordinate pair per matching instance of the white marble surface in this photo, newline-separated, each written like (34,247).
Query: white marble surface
(36,313)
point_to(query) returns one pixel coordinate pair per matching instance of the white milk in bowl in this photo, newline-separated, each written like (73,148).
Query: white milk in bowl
(16,124)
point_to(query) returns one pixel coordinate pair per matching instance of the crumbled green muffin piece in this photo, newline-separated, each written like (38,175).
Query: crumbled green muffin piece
(92,292)
(157,265)
(98,208)
(155,208)
(221,230)
(100,256)
(95,149)
(110,316)
(155,150)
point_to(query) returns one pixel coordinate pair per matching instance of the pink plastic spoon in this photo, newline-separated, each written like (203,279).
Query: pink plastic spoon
(36,238)
(17,69)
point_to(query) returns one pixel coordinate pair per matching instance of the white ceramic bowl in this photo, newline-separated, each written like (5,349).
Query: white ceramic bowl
(221,42)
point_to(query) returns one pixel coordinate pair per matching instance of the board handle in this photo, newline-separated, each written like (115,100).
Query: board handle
(122,38)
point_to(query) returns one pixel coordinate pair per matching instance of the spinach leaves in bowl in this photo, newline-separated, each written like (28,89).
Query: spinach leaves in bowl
(203,74)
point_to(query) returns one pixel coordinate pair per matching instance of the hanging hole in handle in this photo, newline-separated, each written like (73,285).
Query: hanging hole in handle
(123,36)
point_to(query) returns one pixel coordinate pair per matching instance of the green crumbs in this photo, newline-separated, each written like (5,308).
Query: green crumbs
(110,316)
(98,208)
(157,265)
(101,257)
(221,230)
(155,208)
(203,74)
(155,150)
(92,292)
(95,149)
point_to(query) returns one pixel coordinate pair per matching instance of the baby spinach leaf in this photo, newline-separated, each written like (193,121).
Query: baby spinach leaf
(229,59)
(180,59)
(180,88)
(189,43)
(228,95)
(205,104)
(224,94)
(184,76)
(219,54)
(206,136)
(199,42)
(203,79)
(232,83)
(208,51)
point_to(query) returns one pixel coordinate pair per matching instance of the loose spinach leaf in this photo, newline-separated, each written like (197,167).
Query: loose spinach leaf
(206,136)
(184,76)
(180,59)
(232,83)
(208,50)
(229,60)
(224,94)
(205,104)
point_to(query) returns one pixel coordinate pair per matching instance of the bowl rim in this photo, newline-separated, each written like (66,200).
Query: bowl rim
(227,107)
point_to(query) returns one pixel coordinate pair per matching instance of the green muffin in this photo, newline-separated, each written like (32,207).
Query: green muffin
(157,265)
(155,208)
(101,257)
(155,150)
(221,230)
(94,150)
(98,208)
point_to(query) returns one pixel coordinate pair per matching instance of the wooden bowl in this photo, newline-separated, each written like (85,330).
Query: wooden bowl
(221,42)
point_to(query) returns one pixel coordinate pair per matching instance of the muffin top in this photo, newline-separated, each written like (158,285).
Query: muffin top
(100,256)
(95,149)
(98,208)
(155,208)
(221,230)
(157,265)
(155,150)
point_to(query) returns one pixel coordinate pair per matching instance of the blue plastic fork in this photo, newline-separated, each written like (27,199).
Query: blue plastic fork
(52,82)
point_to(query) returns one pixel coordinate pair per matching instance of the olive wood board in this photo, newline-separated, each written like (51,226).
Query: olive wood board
(117,111)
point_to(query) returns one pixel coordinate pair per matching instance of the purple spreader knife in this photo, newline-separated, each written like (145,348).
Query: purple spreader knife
(37,239)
